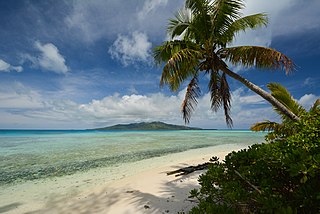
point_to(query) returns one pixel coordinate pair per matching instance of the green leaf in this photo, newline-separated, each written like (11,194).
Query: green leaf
(256,56)
(304,179)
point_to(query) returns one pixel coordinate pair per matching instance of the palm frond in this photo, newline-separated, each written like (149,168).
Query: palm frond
(226,98)
(265,126)
(282,95)
(242,24)
(180,58)
(224,12)
(201,24)
(198,6)
(191,99)
(315,106)
(220,95)
(179,25)
(181,65)
(260,57)
(164,52)
(214,87)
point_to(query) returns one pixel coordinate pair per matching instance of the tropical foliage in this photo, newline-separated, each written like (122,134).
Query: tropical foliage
(279,177)
(287,127)
(200,35)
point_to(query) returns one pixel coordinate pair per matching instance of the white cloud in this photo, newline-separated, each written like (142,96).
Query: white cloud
(149,6)
(24,107)
(252,99)
(29,108)
(16,95)
(308,100)
(50,59)
(104,19)
(131,49)
(246,110)
(304,17)
(271,7)
(282,19)
(48,111)
(132,90)
(310,81)
(90,21)
(6,67)
(134,107)
(262,36)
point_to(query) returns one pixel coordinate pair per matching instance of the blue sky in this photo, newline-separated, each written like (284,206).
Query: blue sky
(84,64)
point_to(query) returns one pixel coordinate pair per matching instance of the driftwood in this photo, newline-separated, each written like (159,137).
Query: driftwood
(189,169)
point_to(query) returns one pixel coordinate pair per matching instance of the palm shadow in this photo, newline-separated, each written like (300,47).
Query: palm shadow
(93,203)
(9,207)
(172,198)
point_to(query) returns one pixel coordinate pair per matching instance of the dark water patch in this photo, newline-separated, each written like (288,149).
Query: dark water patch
(15,174)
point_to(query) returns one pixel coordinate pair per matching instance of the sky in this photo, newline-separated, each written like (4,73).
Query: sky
(85,64)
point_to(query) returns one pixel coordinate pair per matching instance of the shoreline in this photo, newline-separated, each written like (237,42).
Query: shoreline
(137,187)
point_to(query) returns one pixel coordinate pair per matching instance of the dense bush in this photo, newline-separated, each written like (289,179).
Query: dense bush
(278,177)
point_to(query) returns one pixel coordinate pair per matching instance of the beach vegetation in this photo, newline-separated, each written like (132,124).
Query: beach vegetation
(278,177)
(201,35)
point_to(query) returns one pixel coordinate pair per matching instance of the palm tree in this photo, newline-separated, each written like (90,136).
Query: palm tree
(200,34)
(287,126)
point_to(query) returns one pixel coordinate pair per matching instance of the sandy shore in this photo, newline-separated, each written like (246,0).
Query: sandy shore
(139,187)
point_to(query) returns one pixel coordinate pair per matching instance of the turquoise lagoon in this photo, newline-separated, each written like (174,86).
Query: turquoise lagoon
(29,155)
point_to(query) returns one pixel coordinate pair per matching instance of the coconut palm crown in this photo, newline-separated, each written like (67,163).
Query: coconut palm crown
(200,34)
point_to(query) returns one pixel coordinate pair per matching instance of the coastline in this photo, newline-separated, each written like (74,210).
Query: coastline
(138,187)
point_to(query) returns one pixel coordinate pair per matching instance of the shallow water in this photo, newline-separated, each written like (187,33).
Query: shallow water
(29,155)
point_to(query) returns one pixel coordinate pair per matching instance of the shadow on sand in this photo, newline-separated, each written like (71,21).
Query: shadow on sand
(173,198)
(9,207)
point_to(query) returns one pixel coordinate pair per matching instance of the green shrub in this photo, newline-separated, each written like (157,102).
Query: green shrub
(279,177)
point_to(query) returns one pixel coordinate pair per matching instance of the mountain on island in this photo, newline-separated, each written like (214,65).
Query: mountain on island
(148,126)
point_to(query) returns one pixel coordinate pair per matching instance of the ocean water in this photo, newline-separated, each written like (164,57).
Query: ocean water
(30,155)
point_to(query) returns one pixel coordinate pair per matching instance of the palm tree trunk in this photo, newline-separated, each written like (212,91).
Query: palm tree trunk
(262,93)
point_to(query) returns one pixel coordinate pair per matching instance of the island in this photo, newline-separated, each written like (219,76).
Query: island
(143,126)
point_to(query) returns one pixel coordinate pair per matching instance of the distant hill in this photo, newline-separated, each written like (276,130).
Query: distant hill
(147,126)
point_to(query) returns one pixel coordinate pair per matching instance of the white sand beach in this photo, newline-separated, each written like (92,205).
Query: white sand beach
(139,187)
